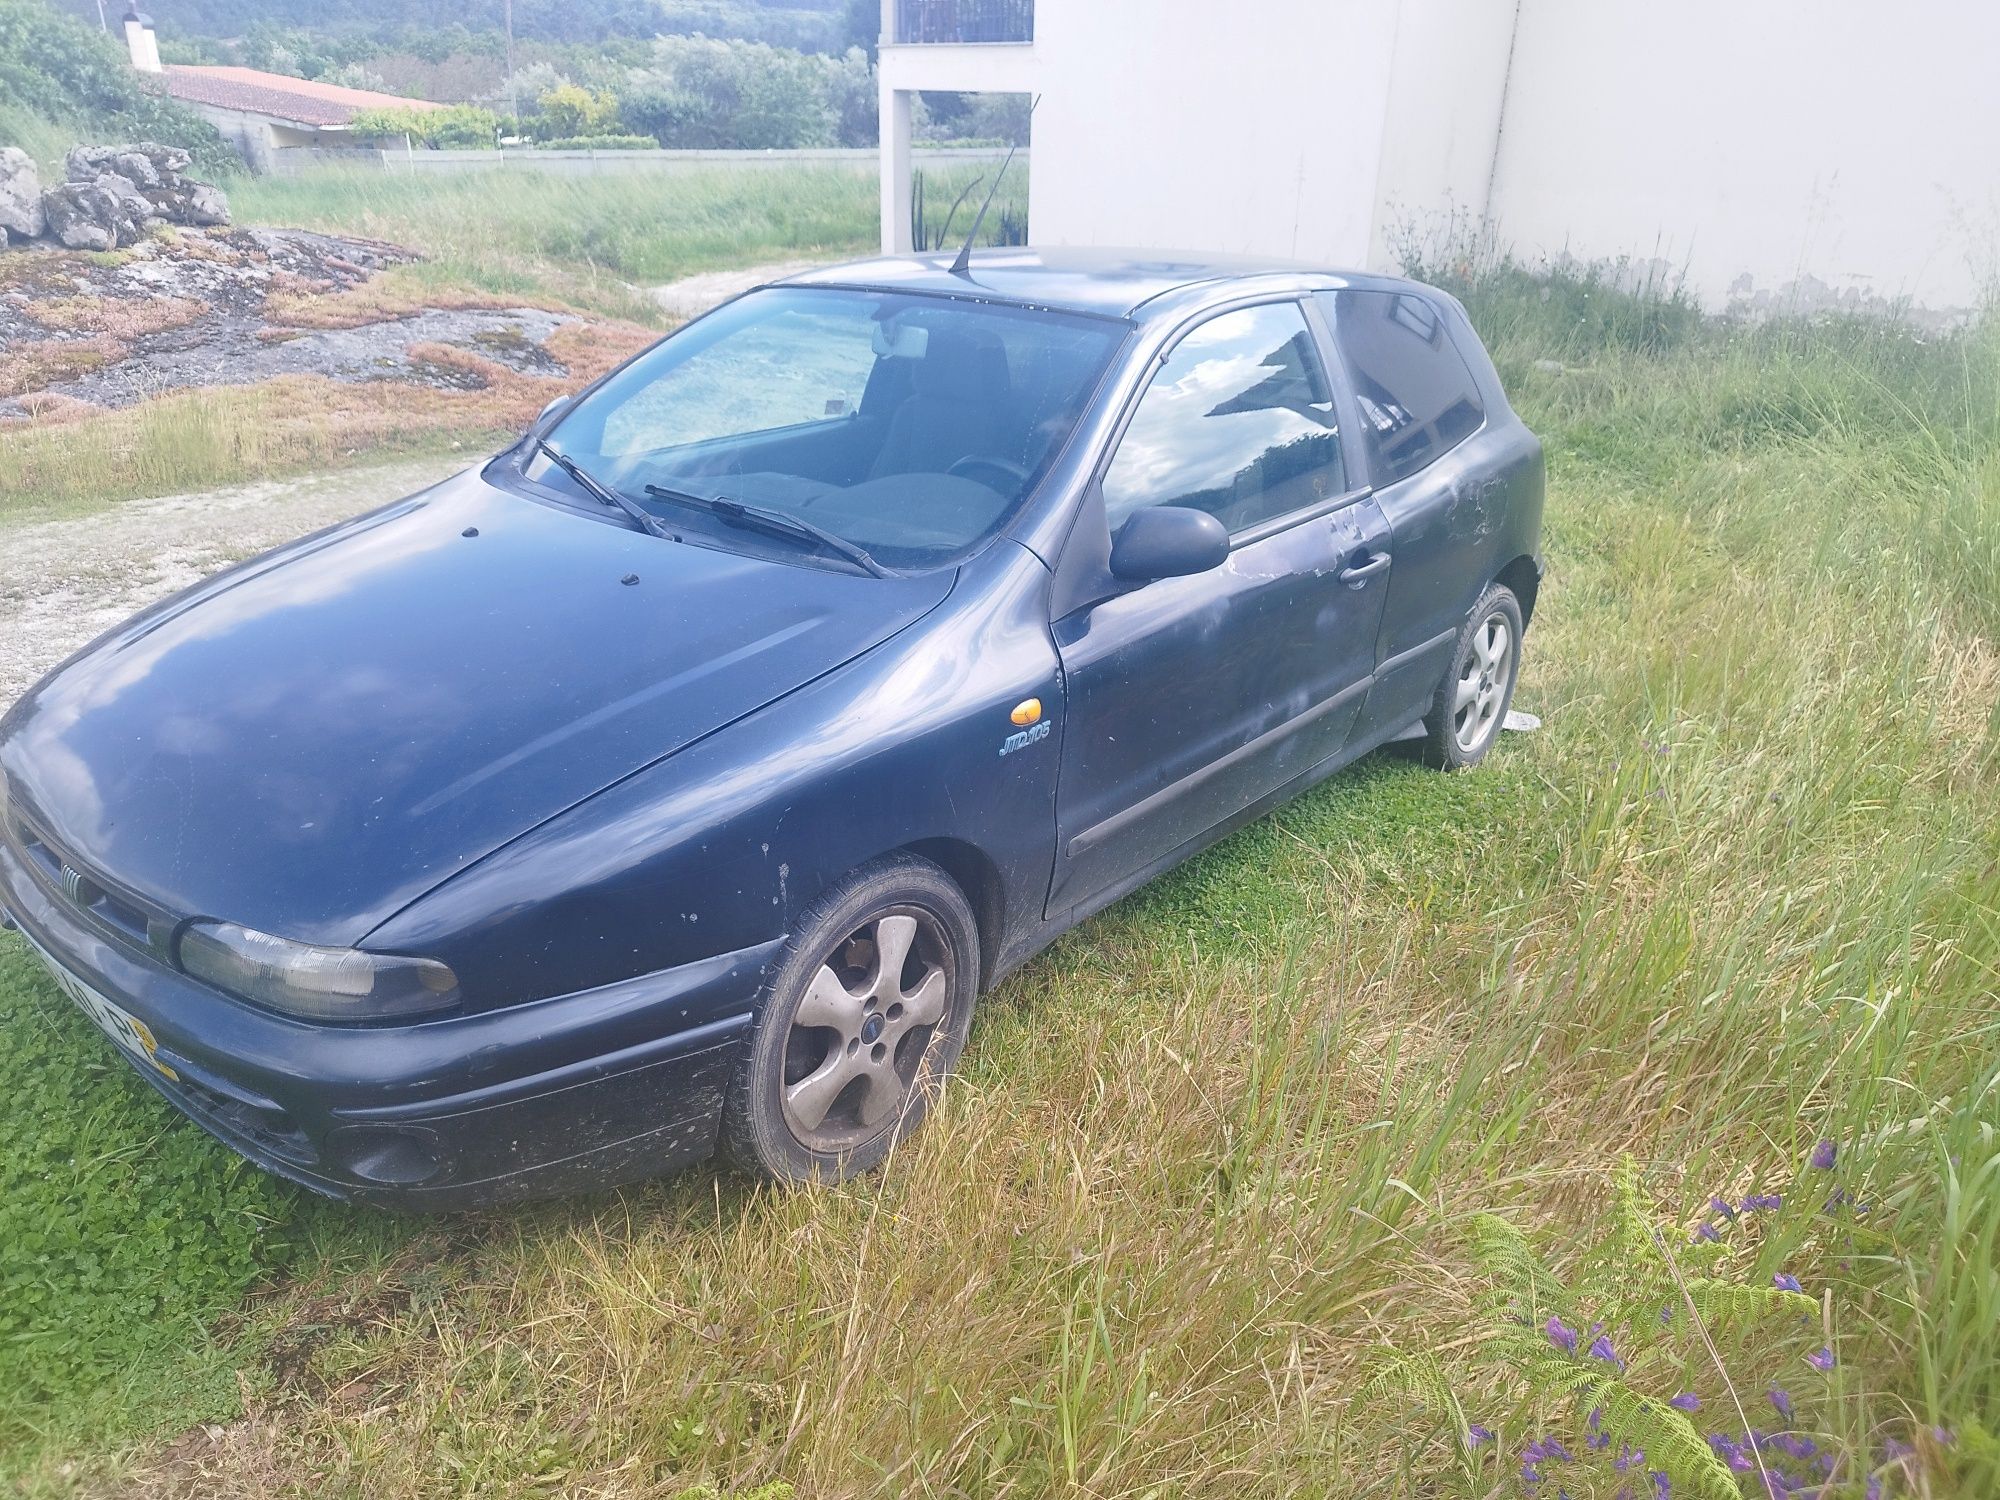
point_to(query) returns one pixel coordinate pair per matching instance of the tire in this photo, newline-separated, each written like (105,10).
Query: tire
(842,1058)
(1472,698)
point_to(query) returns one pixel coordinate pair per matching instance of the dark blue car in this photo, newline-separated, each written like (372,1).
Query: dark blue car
(675,781)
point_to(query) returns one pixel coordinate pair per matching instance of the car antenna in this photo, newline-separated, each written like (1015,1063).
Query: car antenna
(963,265)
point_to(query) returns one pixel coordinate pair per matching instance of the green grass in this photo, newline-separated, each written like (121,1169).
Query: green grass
(1213,1207)
(598,241)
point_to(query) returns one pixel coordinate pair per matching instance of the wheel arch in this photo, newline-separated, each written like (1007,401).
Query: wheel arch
(1524,577)
(979,880)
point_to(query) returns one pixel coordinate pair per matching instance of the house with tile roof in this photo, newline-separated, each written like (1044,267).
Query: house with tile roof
(260,114)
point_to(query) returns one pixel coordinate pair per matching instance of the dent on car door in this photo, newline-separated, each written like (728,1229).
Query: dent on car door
(1419,404)
(1189,698)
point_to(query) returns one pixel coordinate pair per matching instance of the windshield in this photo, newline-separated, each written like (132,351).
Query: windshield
(910,427)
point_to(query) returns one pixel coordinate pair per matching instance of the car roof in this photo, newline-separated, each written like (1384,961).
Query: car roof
(1100,281)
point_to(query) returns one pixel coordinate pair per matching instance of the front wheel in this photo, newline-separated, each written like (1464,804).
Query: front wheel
(1471,702)
(868,1011)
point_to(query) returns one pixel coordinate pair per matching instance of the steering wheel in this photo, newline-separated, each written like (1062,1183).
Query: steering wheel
(999,466)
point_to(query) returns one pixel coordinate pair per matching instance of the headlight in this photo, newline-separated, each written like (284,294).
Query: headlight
(322,984)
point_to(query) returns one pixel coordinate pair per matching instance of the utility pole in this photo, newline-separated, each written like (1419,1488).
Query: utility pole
(101,21)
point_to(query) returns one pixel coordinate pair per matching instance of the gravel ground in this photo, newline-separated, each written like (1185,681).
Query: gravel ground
(62,583)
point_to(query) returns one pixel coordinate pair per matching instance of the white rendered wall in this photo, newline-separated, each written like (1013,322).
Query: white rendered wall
(1783,153)
(1786,152)
(1185,124)
(1253,127)
(1448,76)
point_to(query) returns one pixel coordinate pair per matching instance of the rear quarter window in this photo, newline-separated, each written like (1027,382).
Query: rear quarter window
(1418,396)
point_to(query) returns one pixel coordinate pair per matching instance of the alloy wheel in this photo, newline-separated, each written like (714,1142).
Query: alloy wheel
(863,1029)
(1483,681)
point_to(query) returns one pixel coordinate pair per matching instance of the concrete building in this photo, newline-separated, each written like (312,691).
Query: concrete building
(1783,154)
(260,114)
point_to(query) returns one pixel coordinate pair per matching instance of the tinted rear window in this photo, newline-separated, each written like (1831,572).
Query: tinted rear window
(1418,396)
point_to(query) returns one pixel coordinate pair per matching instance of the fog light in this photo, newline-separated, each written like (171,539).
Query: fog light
(390,1157)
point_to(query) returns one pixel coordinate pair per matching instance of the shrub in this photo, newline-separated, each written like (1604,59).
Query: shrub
(600,143)
(457,125)
(569,110)
(704,93)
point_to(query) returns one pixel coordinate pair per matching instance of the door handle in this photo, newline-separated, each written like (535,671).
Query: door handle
(1358,575)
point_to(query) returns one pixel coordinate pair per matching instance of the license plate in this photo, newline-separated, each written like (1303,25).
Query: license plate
(127,1030)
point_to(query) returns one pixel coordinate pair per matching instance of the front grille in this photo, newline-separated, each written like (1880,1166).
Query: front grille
(88,896)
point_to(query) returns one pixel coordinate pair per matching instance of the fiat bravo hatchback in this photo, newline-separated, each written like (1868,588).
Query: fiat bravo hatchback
(675,781)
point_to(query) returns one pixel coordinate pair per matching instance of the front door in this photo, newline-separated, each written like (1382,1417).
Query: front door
(1188,699)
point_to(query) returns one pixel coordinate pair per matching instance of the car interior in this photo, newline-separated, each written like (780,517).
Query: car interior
(962,410)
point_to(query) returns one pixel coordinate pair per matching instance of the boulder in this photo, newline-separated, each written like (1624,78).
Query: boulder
(21,214)
(206,204)
(113,195)
(81,216)
(144,164)
(135,211)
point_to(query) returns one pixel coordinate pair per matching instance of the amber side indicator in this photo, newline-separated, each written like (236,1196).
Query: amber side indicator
(1027,711)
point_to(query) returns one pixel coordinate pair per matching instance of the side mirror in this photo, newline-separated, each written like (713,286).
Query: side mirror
(556,406)
(1168,541)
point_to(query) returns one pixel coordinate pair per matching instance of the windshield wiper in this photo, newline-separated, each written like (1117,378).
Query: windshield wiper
(775,522)
(598,490)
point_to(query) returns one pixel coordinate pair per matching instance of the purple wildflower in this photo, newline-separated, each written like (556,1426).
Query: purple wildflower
(1686,1401)
(1707,1233)
(1759,1202)
(1782,1400)
(1736,1455)
(1594,1436)
(1821,1359)
(1944,1437)
(1530,1475)
(1600,1348)
(1475,1435)
(1662,1486)
(1563,1338)
(1629,1458)
(1667,1314)
(1823,1155)
(1721,1206)
(1895,1450)
(1786,1282)
(1874,1487)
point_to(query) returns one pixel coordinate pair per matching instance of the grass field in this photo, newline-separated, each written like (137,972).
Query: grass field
(599,241)
(591,245)
(1293,1172)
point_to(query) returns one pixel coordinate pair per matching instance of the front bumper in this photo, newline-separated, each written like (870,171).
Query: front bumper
(557,1096)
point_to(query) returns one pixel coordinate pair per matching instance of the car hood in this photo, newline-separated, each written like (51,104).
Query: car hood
(307,743)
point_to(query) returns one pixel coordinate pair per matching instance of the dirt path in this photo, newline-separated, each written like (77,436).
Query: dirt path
(64,582)
(692,295)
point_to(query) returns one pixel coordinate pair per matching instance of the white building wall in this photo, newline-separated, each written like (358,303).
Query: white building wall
(1253,127)
(1780,153)
(1786,153)
(1447,83)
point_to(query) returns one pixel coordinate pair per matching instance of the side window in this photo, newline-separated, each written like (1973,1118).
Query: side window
(1238,422)
(1418,398)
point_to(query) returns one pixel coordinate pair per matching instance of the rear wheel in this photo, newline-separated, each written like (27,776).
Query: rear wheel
(868,1012)
(1471,702)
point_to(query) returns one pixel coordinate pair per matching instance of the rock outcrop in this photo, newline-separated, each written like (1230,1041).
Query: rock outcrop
(112,196)
(21,215)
